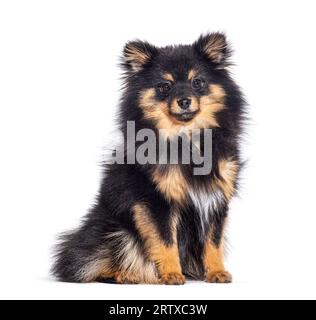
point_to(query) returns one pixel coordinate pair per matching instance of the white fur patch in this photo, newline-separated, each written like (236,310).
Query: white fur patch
(132,260)
(206,203)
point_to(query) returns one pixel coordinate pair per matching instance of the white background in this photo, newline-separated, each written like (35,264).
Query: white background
(59,88)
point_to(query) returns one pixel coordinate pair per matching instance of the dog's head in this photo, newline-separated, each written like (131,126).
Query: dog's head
(179,86)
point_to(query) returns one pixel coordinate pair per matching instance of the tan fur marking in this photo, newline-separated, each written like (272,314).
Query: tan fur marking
(213,261)
(215,47)
(174,106)
(153,109)
(213,257)
(123,278)
(165,257)
(158,112)
(128,278)
(228,170)
(210,105)
(171,183)
(192,74)
(168,77)
(136,57)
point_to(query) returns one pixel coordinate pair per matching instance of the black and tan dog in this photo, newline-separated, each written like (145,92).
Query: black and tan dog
(158,223)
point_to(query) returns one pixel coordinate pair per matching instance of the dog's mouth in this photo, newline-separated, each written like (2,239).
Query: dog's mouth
(184,116)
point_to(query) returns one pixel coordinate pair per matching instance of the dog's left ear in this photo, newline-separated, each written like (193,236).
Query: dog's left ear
(215,48)
(137,54)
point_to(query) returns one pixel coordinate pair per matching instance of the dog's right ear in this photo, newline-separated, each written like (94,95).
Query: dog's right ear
(137,54)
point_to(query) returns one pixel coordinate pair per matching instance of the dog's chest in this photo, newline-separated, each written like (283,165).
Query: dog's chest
(206,202)
(207,199)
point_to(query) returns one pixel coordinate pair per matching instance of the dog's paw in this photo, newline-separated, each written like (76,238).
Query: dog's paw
(173,278)
(219,277)
(126,279)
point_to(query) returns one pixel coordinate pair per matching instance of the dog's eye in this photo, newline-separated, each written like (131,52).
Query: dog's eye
(197,83)
(164,87)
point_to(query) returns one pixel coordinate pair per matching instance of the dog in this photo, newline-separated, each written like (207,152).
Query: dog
(161,223)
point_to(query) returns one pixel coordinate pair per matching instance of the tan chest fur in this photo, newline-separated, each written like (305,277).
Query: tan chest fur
(175,187)
(171,183)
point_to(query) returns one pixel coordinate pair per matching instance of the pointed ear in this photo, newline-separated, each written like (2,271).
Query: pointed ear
(215,48)
(137,54)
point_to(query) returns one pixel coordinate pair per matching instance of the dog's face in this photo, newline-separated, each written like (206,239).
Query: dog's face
(179,86)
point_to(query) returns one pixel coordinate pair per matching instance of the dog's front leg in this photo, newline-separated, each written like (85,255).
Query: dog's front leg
(213,257)
(164,254)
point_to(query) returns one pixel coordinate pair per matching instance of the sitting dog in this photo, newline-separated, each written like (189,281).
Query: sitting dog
(162,223)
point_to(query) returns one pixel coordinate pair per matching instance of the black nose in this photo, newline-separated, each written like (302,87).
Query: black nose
(184,103)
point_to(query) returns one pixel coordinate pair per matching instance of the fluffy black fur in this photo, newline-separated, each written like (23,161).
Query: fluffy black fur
(104,230)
